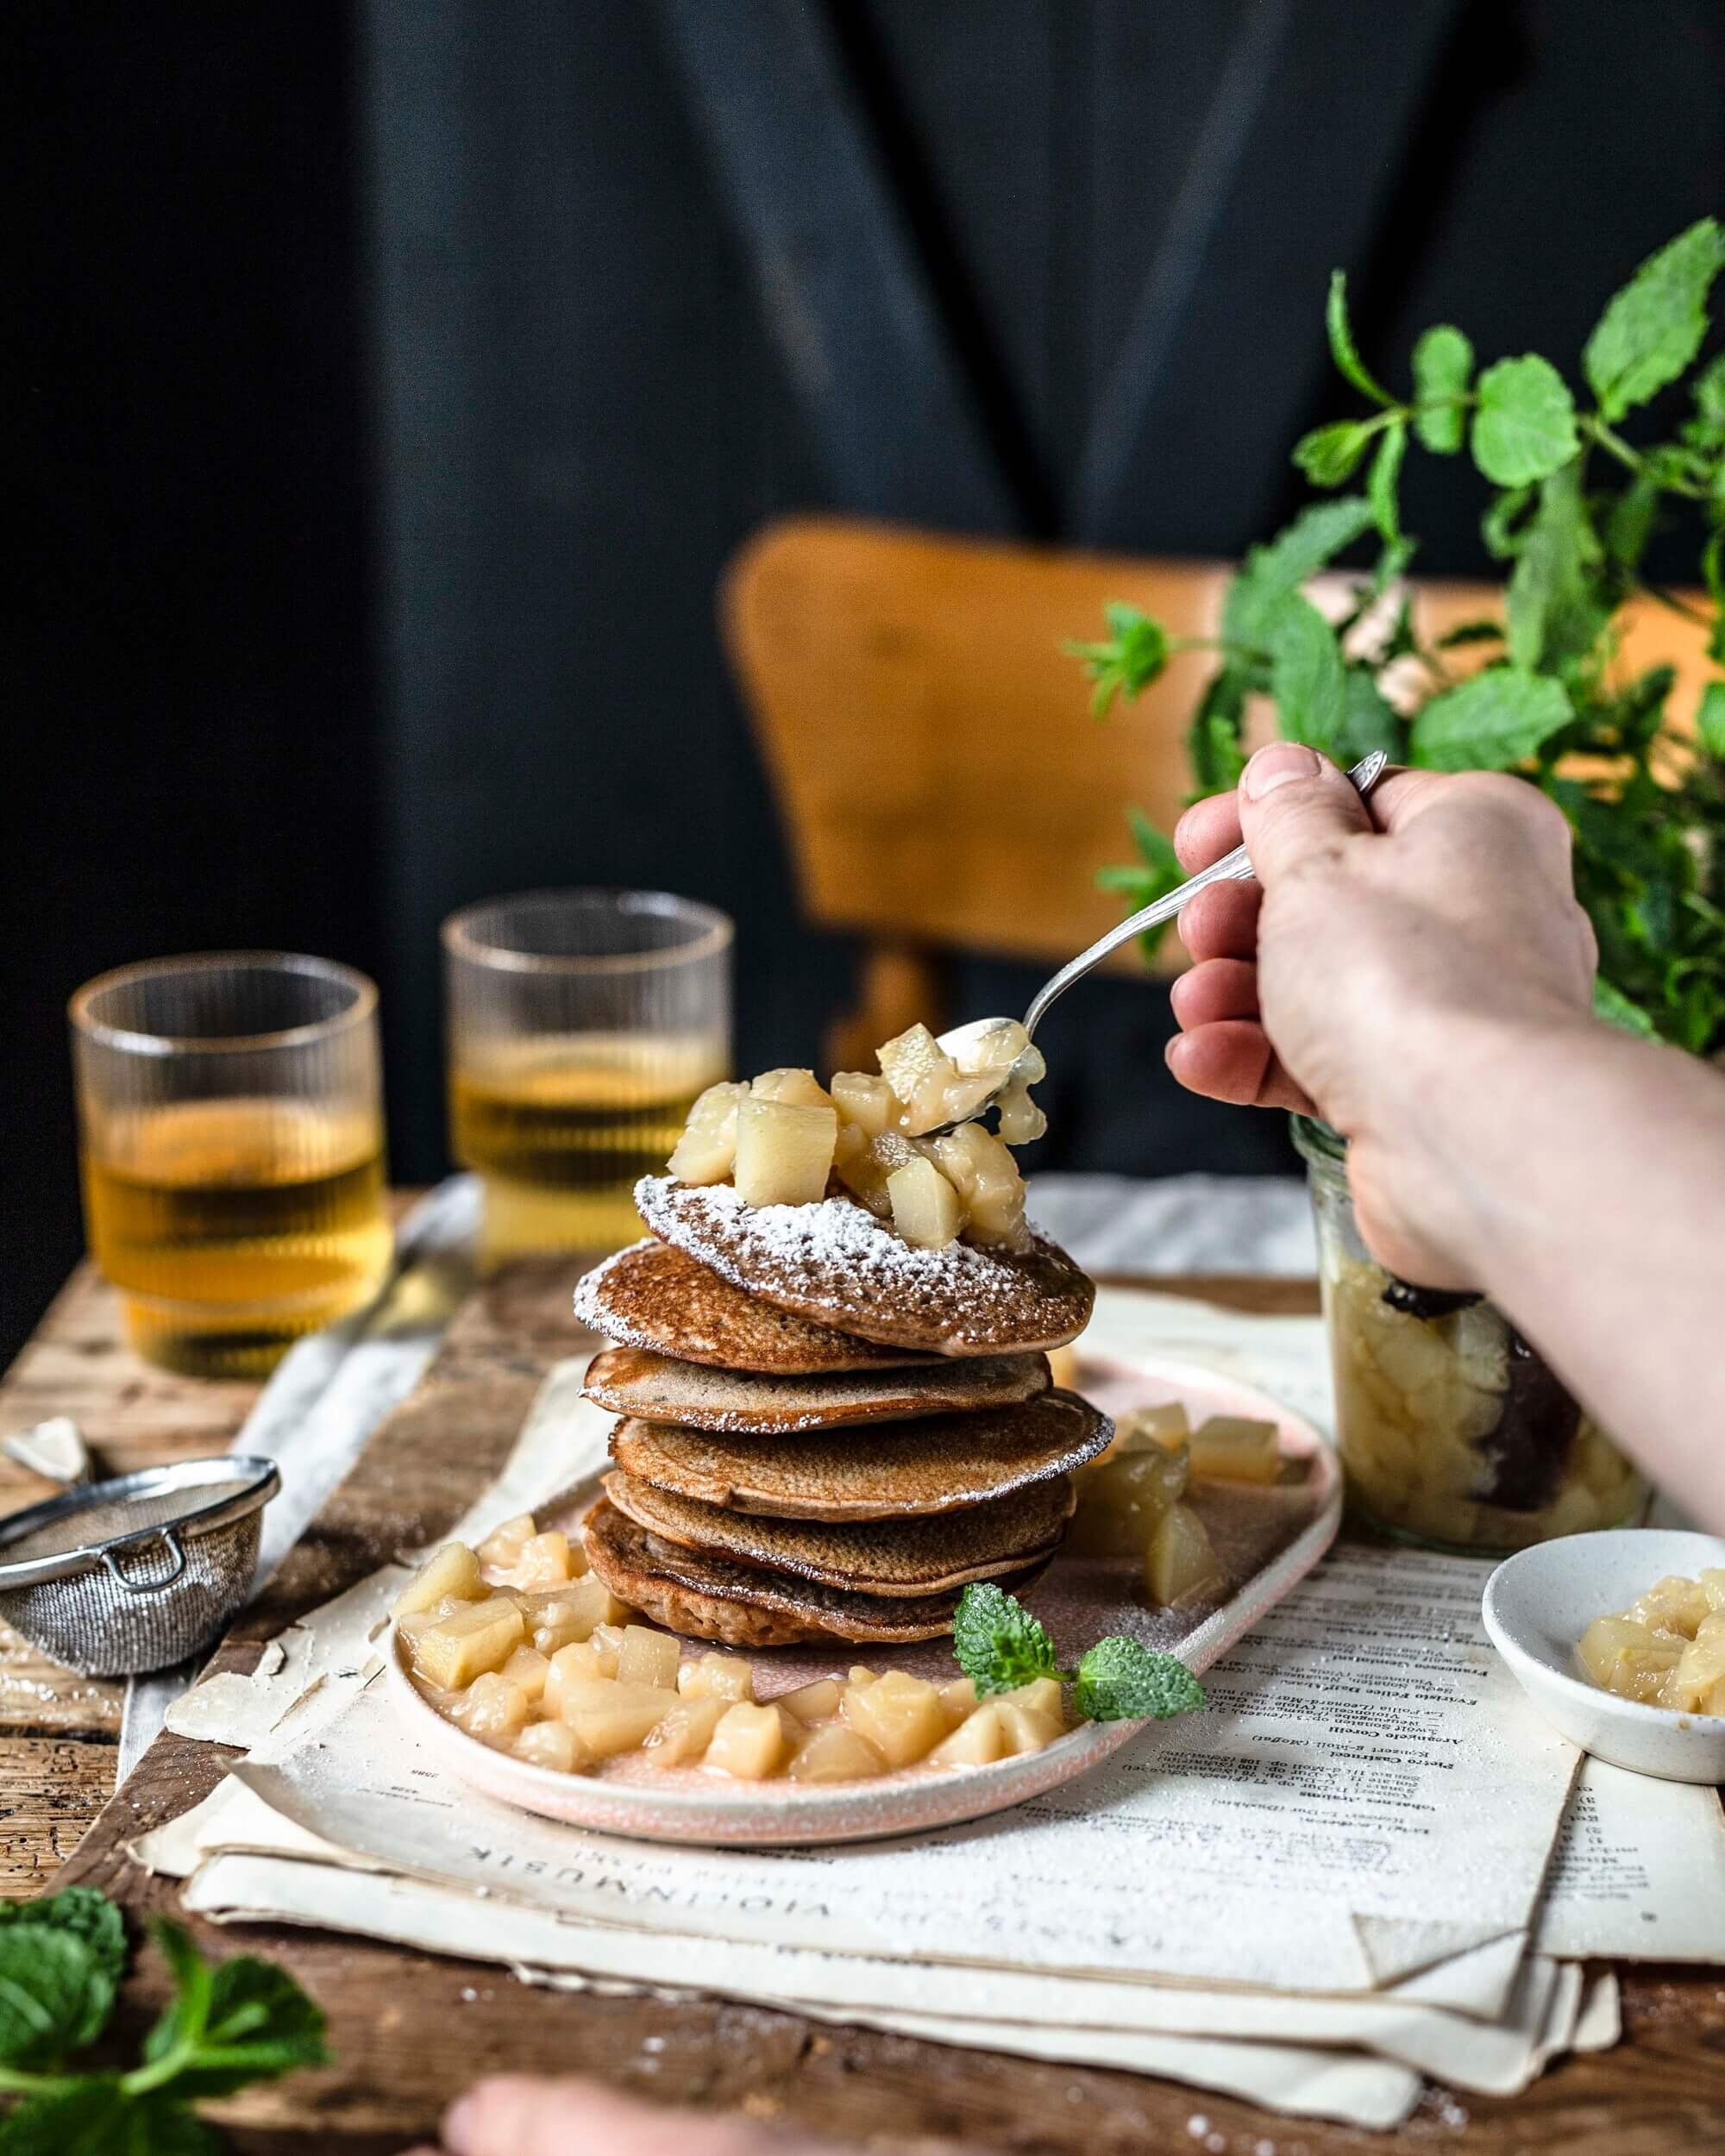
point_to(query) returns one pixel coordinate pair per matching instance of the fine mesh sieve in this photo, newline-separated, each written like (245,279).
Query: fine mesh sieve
(116,1578)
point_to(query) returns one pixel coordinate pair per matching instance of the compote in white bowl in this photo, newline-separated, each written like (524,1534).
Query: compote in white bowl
(1538,1604)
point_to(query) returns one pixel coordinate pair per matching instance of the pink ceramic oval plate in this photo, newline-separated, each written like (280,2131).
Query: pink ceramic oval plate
(1267,1537)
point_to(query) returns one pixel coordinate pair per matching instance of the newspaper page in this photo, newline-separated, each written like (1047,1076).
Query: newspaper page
(1368,1794)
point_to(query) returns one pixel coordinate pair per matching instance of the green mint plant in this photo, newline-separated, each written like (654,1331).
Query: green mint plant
(228,2024)
(1573,506)
(1000,1646)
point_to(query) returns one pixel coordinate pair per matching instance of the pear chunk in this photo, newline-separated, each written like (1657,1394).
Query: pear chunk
(549,1744)
(899,1715)
(747,1742)
(1235,1449)
(1180,1560)
(834,1753)
(926,1211)
(647,1657)
(453,1570)
(706,1151)
(726,1677)
(784,1152)
(478,1638)
(684,1735)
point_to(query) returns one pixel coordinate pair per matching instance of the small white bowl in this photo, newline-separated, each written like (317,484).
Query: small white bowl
(1538,1604)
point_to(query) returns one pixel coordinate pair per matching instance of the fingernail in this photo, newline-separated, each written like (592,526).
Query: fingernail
(1276,765)
(458,2119)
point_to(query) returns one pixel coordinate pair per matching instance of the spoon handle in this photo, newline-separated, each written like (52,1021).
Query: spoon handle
(1234,867)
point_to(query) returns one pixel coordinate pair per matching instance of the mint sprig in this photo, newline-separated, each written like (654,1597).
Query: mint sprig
(1570,506)
(1000,1646)
(228,2024)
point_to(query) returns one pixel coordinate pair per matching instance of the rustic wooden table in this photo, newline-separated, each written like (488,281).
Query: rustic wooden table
(409,2029)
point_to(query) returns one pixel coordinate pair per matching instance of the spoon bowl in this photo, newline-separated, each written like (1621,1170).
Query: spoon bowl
(1539,1602)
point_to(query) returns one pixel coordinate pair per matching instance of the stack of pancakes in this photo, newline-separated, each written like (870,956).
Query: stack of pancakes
(822,1432)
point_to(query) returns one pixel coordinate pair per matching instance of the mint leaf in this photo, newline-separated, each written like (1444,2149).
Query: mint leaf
(1382,480)
(1497,719)
(91,2118)
(1306,674)
(1121,1681)
(1368,721)
(1328,454)
(1443,359)
(1213,740)
(1653,328)
(55,1994)
(1524,426)
(1500,528)
(1556,612)
(86,1914)
(1272,572)
(1130,660)
(1709,723)
(1617,1009)
(996,1641)
(261,2025)
(1343,349)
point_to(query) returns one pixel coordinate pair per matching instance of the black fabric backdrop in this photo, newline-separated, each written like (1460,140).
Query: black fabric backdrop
(390,384)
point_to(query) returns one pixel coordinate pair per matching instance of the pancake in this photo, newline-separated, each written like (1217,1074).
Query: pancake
(655,1297)
(703,1596)
(934,1555)
(835,1263)
(895,1471)
(658,1389)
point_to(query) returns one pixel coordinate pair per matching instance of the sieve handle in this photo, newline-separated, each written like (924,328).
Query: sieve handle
(147,1586)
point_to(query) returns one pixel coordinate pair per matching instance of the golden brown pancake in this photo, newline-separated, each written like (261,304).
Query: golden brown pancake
(836,1264)
(704,1596)
(894,1470)
(934,1555)
(654,1296)
(659,1388)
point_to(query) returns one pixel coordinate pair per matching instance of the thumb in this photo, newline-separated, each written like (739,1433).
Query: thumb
(1295,804)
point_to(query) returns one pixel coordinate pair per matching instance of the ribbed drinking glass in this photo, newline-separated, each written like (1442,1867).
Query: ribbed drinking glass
(581,1025)
(232,1146)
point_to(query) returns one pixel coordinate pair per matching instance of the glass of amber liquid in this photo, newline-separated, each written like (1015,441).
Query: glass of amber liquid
(232,1146)
(581,1025)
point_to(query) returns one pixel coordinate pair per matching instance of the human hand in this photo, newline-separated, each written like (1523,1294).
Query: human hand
(524,2115)
(1380,972)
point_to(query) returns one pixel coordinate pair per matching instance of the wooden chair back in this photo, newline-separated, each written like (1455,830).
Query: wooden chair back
(943,783)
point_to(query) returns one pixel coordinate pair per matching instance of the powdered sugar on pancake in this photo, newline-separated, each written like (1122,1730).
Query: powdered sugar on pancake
(835,1262)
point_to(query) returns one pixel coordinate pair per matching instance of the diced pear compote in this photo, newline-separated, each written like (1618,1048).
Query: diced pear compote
(1124,1497)
(748,1741)
(549,1744)
(647,1657)
(492,1709)
(781,1138)
(1236,1449)
(784,1152)
(570,1613)
(1180,1560)
(726,1677)
(478,1638)
(609,1718)
(683,1736)
(977,1741)
(926,1209)
(455,1571)
(1667,1649)
(504,1544)
(816,1702)
(899,1715)
(706,1151)
(835,1752)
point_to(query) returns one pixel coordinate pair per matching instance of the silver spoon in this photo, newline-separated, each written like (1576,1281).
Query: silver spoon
(963,1042)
